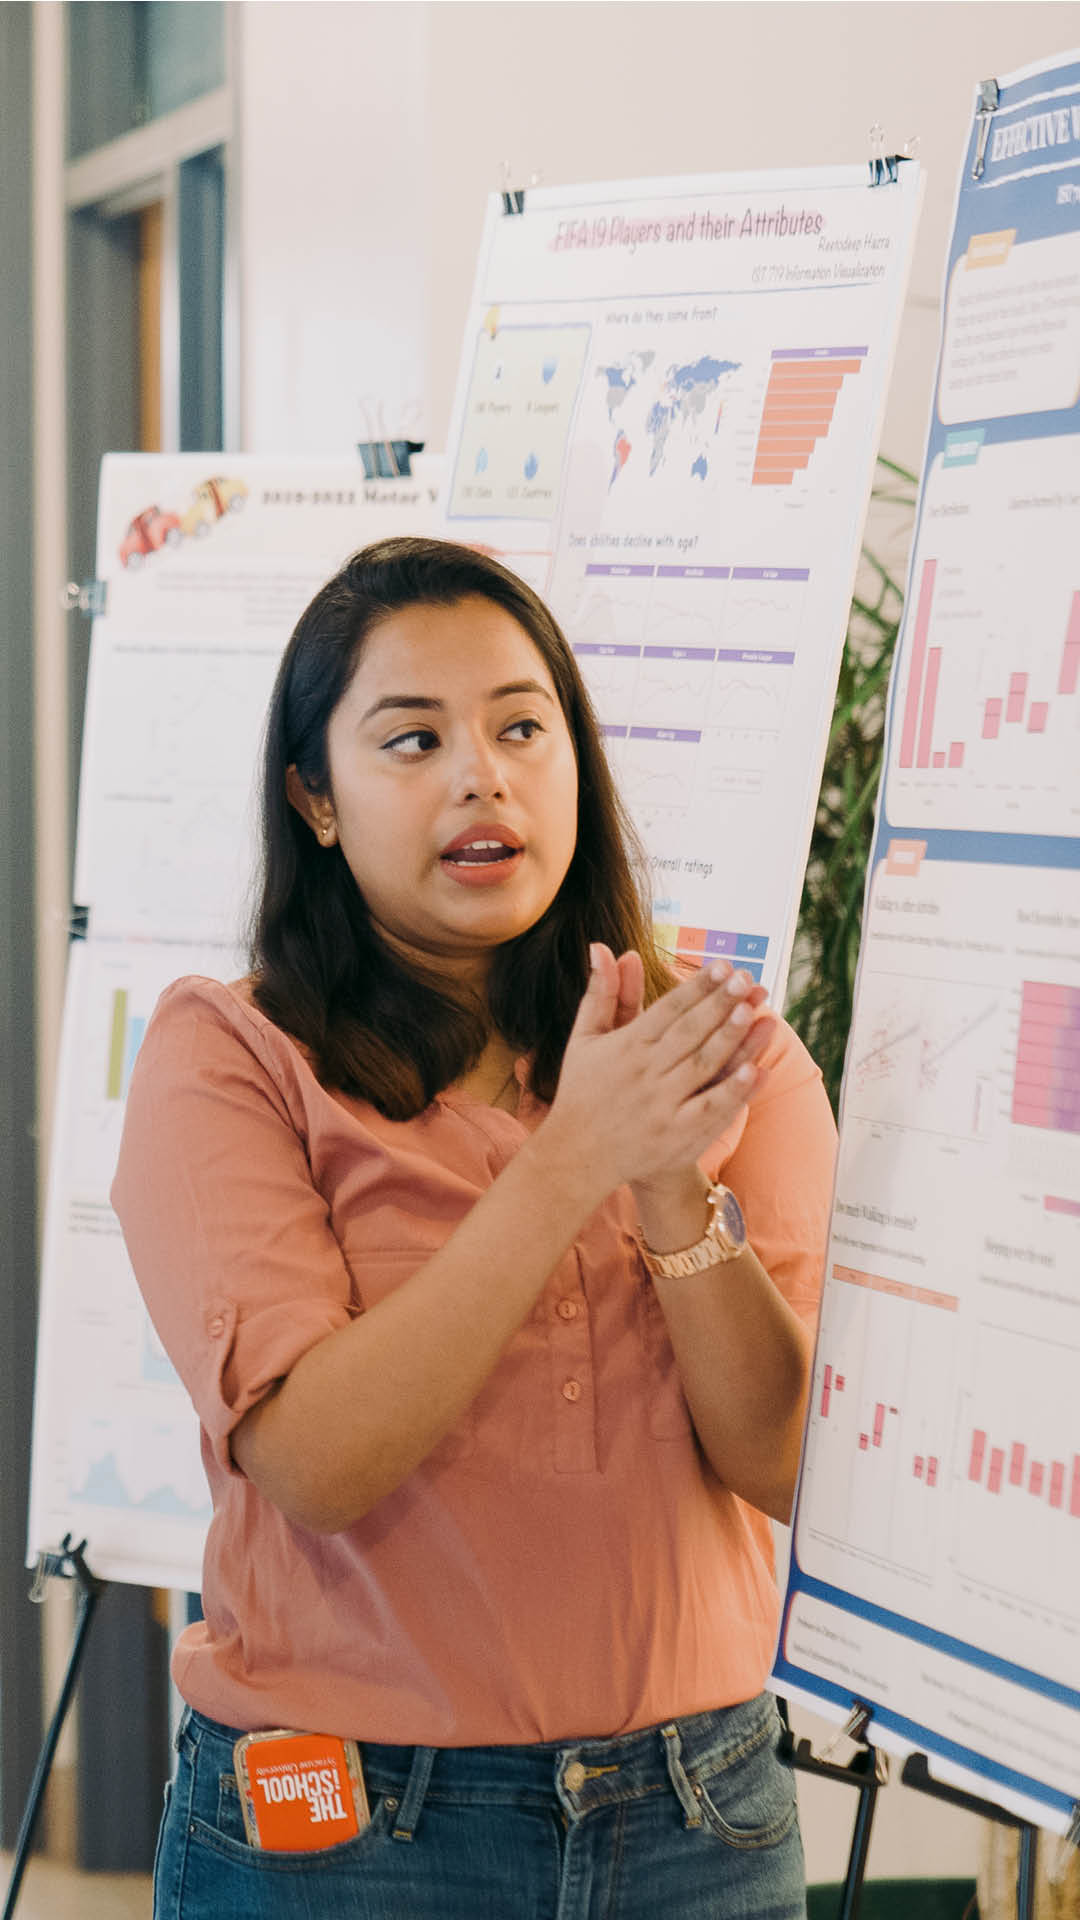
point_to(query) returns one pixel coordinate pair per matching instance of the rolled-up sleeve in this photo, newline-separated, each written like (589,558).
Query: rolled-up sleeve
(781,1169)
(229,1238)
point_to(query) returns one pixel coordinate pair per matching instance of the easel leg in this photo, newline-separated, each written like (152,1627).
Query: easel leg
(69,1563)
(1025,1873)
(860,1852)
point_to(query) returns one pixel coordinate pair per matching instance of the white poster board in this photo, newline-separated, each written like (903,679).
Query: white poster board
(206,561)
(666,420)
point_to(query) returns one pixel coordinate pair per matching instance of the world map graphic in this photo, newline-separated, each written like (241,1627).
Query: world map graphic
(676,414)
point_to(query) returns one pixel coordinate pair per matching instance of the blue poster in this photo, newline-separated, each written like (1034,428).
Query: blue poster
(935,1572)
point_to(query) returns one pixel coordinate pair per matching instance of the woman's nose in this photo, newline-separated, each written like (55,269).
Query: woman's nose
(479,773)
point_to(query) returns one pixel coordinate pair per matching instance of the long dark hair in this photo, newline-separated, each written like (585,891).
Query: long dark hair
(379,1026)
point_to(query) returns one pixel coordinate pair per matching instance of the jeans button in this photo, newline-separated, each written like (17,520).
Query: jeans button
(574,1777)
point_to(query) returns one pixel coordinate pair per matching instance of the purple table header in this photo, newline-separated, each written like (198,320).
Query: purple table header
(665,733)
(820,353)
(620,567)
(756,658)
(693,573)
(770,573)
(679,653)
(607,648)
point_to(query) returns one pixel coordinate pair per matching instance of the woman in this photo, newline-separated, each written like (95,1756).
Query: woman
(490,1468)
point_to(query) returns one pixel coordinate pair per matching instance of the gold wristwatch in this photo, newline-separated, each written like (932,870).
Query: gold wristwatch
(724,1239)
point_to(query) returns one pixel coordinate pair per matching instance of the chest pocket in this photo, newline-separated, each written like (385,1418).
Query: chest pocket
(375,1274)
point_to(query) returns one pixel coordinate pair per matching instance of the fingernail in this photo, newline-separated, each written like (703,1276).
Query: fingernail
(739,984)
(740,1016)
(745,1074)
(594,956)
(719,971)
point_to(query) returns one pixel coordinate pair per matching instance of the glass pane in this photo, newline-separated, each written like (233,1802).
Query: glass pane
(202,264)
(131,60)
(180,52)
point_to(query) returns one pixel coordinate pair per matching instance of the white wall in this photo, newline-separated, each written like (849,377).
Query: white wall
(332,170)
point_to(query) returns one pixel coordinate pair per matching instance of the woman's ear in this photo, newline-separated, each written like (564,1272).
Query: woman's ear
(312,807)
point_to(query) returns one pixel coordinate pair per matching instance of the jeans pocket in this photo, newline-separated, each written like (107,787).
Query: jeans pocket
(748,1797)
(237,1849)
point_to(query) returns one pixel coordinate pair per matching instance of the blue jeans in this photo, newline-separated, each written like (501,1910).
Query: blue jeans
(694,1820)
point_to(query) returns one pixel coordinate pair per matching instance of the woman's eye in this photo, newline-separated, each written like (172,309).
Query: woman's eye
(531,728)
(411,745)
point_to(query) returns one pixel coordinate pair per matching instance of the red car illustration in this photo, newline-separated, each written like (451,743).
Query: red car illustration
(148,531)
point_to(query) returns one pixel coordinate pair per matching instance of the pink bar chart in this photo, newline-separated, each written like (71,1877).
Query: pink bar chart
(1007,1469)
(1015,708)
(1046,1081)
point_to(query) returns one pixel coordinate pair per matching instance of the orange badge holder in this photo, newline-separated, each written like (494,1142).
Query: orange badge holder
(300,1791)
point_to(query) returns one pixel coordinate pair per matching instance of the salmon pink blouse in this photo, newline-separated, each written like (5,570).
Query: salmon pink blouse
(564,1564)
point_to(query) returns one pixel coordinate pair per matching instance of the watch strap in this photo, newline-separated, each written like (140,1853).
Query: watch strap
(716,1245)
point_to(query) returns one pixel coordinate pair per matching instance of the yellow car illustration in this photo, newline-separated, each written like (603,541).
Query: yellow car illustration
(210,501)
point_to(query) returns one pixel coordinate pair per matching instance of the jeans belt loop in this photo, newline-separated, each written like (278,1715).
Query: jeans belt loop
(419,1774)
(677,1774)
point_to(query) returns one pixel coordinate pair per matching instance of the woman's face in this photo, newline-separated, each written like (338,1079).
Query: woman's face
(453,783)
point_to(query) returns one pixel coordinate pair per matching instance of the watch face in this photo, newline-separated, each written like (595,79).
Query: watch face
(732,1216)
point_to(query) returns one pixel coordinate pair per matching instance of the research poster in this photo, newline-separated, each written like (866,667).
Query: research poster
(666,420)
(935,1572)
(206,561)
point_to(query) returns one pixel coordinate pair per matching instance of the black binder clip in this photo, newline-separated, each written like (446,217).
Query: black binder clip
(86,596)
(985,109)
(856,1729)
(388,459)
(885,167)
(78,928)
(513,198)
(384,458)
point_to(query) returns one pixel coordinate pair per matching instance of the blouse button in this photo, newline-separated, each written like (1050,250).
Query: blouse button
(571,1389)
(567,1309)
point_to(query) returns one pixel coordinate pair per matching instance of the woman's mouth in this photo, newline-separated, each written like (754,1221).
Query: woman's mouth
(481,858)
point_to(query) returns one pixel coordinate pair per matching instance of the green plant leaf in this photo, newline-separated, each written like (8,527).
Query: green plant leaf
(830,916)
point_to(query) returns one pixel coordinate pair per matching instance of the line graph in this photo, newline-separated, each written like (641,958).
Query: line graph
(693,620)
(932,1056)
(658,765)
(674,684)
(764,609)
(609,614)
(749,696)
(610,671)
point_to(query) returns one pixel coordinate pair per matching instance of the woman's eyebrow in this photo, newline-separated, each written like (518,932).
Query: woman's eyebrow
(434,705)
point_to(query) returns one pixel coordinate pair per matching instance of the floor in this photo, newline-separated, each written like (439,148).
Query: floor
(53,1892)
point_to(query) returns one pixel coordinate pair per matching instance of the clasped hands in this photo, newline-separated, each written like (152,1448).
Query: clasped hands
(648,1090)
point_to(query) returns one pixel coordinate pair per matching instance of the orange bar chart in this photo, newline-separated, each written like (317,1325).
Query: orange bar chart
(800,401)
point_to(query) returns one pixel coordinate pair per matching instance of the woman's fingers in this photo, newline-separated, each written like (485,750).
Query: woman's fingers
(631,987)
(751,1049)
(596,1009)
(726,1010)
(720,1056)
